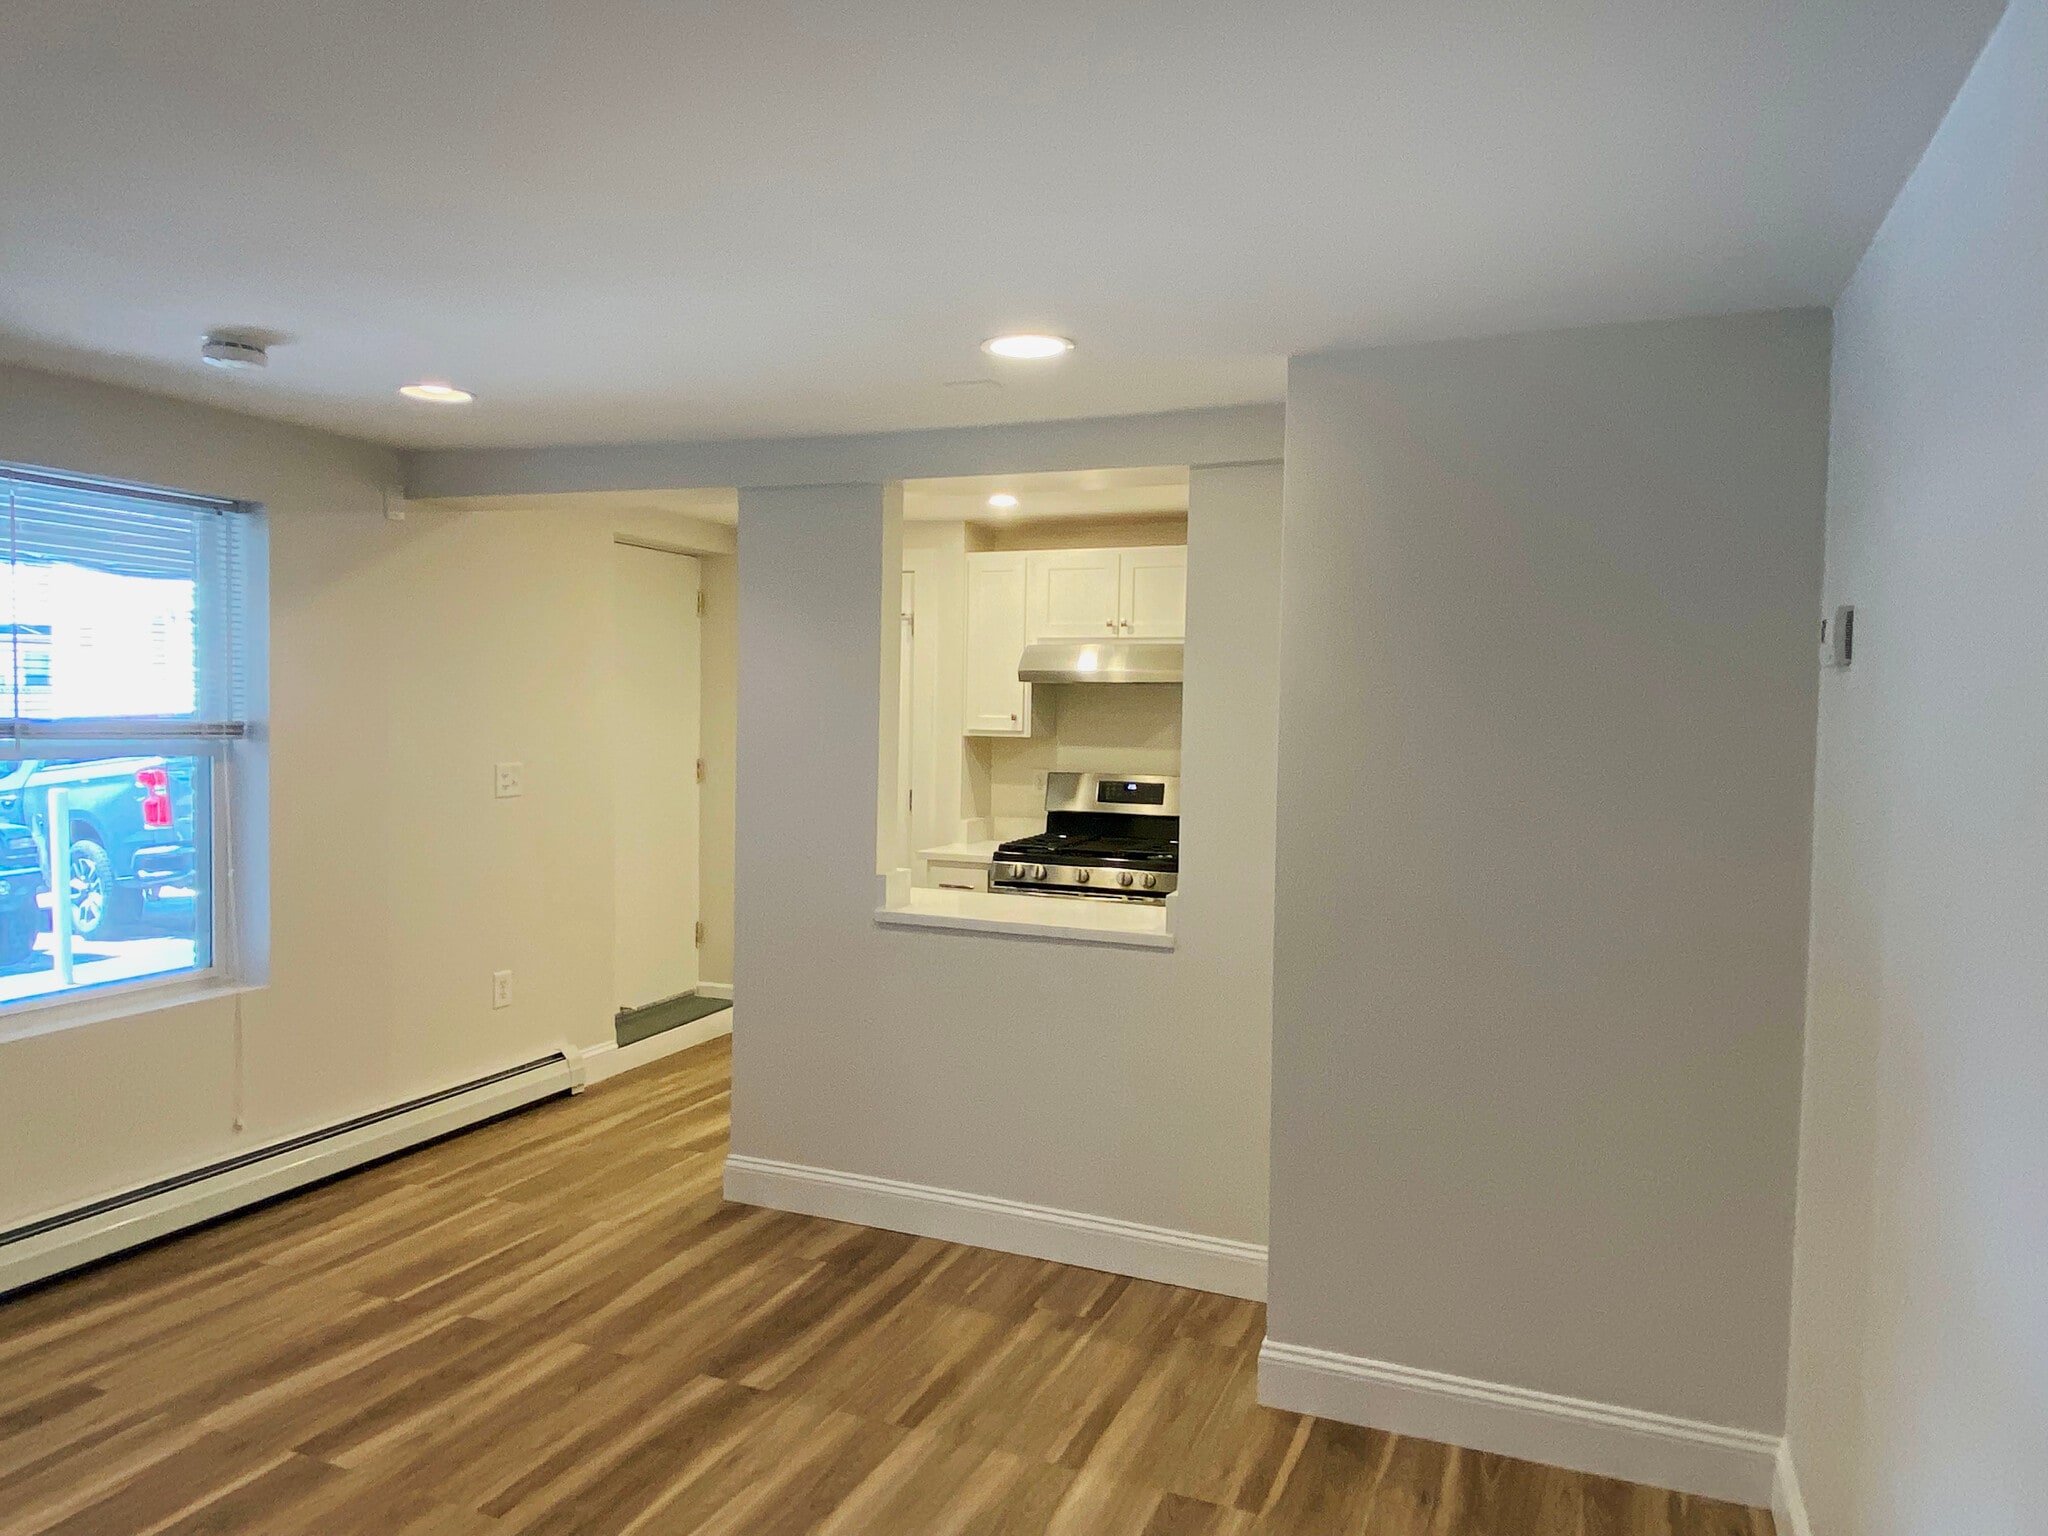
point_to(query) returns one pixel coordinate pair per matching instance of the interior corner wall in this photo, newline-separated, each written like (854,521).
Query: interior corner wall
(1918,1397)
(1117,1083)
(405,659)
(1547,696)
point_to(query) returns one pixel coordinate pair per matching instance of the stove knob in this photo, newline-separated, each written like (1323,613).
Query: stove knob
(1013,871)
(1124,878)
(1038,871)
(1151,882)
(1080,877)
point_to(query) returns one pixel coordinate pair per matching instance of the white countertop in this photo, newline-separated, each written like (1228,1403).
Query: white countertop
(962,853)
(1067,919)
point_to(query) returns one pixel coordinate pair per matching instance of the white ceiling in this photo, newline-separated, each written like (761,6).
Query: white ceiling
(620,221)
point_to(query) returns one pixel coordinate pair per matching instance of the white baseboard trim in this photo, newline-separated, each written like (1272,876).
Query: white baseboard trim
(714,989)
(1189,1259)
(65,1240)
(1788,1504)
(610,1059)
(1605,1439)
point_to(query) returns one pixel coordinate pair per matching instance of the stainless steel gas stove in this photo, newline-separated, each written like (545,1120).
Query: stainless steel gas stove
(1106,835)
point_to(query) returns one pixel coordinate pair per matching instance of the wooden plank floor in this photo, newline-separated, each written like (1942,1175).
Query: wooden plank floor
(552,1326)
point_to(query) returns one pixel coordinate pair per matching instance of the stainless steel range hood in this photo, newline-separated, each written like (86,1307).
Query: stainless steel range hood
(1100,661)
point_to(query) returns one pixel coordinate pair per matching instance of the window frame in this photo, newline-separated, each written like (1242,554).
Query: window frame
(231,749)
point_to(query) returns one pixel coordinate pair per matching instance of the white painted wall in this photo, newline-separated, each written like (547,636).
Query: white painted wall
(937,552)
(1106,728)
(406,658)
(1118,1083)
(1547,694)
(1919,1376)
(1144,530)
(720,718)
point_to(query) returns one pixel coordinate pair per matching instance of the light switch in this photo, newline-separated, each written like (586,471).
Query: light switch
(508,781)
(1838,637)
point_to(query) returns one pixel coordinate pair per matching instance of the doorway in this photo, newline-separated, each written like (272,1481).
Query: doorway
(657,767)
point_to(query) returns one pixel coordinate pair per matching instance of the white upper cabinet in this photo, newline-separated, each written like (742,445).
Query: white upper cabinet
(1153,594)
(1074,594)
(1059,594)
(996,703)
(1099,594)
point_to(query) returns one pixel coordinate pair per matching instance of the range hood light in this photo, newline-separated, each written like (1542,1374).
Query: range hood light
(1100,661)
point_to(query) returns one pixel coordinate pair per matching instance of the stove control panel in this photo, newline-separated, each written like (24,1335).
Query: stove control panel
(1081,880)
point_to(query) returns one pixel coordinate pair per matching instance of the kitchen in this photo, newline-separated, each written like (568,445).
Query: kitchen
(1039,722)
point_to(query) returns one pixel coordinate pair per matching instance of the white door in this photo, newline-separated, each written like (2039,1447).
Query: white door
(1154,601)
(655,742)
(997,704)
(1073,594)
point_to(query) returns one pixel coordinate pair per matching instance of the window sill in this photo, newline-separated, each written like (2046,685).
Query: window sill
(119,1001)
(1054,919)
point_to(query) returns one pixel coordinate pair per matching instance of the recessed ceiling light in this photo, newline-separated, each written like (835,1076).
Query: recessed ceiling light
(1027,345)
(437,392)
(1002,501)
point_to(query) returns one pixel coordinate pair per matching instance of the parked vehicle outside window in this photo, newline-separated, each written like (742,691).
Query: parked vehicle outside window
(134,871)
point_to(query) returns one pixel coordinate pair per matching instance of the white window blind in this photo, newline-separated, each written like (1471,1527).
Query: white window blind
(123,612)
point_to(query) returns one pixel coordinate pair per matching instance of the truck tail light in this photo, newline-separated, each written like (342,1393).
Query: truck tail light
(155,784)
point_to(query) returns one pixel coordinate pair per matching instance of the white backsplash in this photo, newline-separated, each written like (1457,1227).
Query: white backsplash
(1101,728)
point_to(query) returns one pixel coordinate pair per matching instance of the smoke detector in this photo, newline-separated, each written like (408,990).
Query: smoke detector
(228,349)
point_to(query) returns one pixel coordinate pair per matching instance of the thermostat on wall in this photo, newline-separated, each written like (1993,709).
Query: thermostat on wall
(1838,637)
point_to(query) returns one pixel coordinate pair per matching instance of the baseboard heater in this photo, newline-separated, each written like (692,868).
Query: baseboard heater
(66,1239)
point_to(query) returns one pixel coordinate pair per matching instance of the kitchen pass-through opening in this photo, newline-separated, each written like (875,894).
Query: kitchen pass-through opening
(1037,706)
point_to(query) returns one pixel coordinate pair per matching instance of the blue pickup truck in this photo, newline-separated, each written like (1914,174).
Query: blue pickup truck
(133,821)
(21,881)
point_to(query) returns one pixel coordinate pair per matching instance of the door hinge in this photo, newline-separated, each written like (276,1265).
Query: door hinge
(700,770)
(700,602)
(700,932)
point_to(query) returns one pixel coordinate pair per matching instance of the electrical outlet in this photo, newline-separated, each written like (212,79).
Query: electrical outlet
(501,989)
(508,782)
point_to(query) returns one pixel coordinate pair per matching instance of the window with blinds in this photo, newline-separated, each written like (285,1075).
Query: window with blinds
(122,612)
(125,679)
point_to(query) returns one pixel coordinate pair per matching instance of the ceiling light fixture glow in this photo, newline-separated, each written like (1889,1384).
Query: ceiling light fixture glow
(1027,346)
(436,392)
(1002,501)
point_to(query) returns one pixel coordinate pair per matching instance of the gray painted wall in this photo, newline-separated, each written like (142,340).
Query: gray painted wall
(1231,434)
(1547,701)
(1120,1083)
(1919,1381)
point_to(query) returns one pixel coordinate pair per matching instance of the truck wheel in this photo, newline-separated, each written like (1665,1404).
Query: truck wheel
(96,902)
(17,939)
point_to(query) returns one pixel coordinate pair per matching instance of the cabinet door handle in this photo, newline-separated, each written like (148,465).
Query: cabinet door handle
(1112,623)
